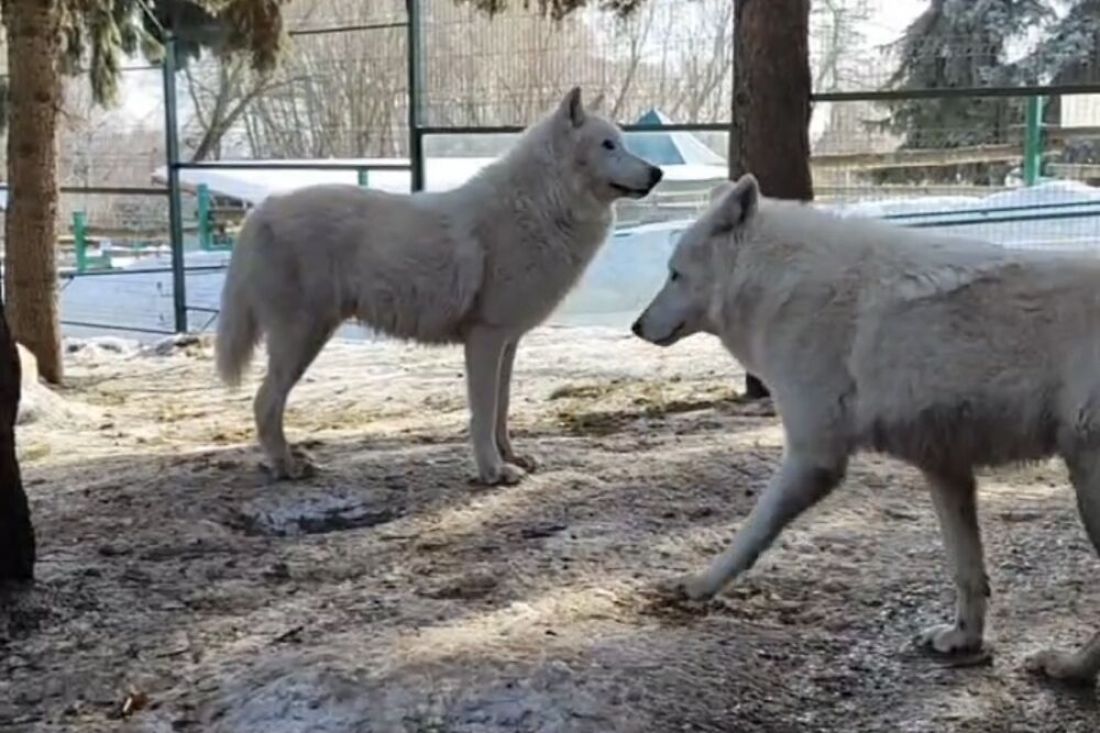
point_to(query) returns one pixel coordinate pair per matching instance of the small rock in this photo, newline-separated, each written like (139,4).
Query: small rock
(899,512)
(278,573)
(166,347)
(114,550)
(541,530)
(1020,515)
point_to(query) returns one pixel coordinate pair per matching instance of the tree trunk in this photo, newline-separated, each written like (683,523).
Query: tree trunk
(30,276)
(770,136)
(16,533)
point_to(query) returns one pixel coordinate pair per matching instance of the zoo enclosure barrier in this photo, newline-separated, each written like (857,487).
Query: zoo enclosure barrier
(843,172)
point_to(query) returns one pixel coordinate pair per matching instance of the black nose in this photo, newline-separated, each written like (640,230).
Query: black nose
(637,327)
(655,176)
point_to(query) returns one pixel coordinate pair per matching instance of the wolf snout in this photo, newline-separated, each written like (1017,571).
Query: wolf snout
(636,329)
(655,175)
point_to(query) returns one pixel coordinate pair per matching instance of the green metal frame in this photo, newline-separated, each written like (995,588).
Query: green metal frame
(418,130)
(1033,140)
(206,224)
(206,236)
(175,204)
(84,262)
(80,240)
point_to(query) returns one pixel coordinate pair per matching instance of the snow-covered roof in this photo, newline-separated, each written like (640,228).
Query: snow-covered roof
(681,155)
(252,181)
(668,148)
(247,181)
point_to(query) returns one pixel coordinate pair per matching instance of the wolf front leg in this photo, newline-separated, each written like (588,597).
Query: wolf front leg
(955,497)
(802,481)
(504,391)
(485,349)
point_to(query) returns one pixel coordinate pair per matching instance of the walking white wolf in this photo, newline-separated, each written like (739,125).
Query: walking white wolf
(946,353)
(479,265)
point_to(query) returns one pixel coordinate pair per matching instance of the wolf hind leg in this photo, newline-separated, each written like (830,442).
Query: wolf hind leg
(291,347)
(504,439)
(1083,665)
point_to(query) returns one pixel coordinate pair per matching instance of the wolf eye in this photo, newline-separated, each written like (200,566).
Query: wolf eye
(608,144)
(673,276)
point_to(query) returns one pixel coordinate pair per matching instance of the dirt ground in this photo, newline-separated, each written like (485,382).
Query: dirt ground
(180,590)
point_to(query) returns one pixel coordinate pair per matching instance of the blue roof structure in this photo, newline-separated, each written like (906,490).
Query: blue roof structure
(669,148)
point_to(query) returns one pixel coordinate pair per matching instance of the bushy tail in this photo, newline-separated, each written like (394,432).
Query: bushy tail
(238,330)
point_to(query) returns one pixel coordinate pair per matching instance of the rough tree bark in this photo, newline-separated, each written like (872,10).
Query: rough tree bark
(770,135)
(30,277)
(16,533)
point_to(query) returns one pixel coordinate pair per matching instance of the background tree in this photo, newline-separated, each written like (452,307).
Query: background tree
(961,44)
(770,136)
(49,38)
(1068,55)
(477,70)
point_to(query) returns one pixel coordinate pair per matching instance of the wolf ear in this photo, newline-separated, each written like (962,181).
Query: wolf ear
(571,107)
(738,204)
(719,191)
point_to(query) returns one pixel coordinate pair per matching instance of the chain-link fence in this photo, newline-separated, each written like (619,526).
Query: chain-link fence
(981,118)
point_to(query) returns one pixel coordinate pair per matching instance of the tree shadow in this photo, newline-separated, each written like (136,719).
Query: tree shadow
(168,570)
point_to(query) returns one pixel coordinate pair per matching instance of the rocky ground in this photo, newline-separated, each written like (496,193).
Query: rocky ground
(180,590)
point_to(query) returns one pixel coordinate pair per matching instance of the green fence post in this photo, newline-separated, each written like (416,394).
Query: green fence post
(206,236)
(364,178)
(80,240)
(1033,140)
(172,160)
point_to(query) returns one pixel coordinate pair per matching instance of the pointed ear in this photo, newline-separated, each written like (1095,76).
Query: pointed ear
(571,108)
(719,191)
(738,205)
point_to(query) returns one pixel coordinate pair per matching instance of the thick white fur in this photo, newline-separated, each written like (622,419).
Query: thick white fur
(947,353)
(479,265)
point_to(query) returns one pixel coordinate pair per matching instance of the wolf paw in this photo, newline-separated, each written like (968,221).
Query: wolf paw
(526,461)
(953,645)
(295,466)
(504,474)
(948,640)
(1059,666)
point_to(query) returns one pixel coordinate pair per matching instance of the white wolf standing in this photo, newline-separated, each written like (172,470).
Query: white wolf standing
(947,353)
(479,265)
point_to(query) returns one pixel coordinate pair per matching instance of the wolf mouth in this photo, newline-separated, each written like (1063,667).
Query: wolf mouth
(672,337)
(628,191)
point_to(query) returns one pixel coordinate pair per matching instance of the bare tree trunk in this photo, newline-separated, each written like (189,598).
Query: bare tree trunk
(30,277)
(16,533)
(770,136)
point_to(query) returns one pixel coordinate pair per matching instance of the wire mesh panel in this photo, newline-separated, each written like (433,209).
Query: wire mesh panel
(671,55)
(920,115)
(110,212)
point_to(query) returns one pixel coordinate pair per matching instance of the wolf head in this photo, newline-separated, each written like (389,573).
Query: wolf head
(683,306)
(592,148)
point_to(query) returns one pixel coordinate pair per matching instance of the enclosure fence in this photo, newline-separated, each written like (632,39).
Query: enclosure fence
(394,92)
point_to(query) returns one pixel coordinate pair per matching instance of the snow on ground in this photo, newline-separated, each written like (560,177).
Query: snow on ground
(181,591)
(625,273)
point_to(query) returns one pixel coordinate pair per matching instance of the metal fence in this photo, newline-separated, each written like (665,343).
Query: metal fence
(959,131)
